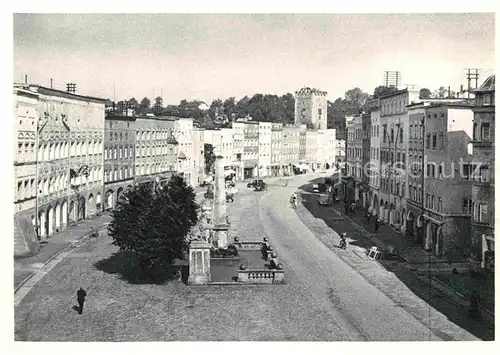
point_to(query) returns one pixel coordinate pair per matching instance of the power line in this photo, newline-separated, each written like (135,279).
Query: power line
(472,74)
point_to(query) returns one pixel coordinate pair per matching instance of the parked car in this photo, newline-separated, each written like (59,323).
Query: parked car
(230,183)
(260,186)
(316,188)
(255,183)
(325,201)
(321,187)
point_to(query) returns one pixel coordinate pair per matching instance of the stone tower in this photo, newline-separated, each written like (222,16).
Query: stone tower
(311,107)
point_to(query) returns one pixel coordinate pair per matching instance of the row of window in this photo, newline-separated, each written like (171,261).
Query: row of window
(478,210)
(430,203)
(392,186)
(394,107)
(47,152)
(484,132)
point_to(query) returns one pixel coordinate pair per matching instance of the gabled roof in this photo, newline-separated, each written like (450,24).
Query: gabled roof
(488,85)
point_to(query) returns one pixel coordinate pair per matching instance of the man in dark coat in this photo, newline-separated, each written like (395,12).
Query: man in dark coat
(377,224)
(80,295)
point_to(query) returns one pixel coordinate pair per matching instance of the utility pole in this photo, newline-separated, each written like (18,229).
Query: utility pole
(471,75)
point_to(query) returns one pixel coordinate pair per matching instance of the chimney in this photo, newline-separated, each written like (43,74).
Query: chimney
(449,92)
(51,83)
(26,78)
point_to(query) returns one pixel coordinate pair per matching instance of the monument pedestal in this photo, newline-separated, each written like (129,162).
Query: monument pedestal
(221,232)
(199,263)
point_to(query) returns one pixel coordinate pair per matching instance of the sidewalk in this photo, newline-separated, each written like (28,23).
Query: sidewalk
(388,237)
(24,267)
(405,287)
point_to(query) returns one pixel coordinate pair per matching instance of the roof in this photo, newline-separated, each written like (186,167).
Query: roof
(60,93)
(488,85)
(395,93)
(120,118)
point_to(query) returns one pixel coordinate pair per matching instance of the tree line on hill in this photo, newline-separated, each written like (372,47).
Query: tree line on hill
(265,107)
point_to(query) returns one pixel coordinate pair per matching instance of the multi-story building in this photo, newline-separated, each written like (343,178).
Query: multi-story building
(156,149)
(119,157)
(290,152)
(446,186)
(365,160)
(483,189)
(198,154)
(393,152)
(330,147)
(375,164)
(238,148)
(264,148)
(303,146)
(70,159)
(311,148)
(311,108)
(340,150)
(183,133)
(25,168)
(277,161)
(251,149)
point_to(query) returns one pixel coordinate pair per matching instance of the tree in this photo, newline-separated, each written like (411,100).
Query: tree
(208,151)
(158,107)
(133,103)
(229,106)
(383,90)
(425,93)
(144,106)
(154,224)
(355,100)
(441,92)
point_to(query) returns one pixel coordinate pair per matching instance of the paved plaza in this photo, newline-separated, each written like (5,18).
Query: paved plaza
(329,295)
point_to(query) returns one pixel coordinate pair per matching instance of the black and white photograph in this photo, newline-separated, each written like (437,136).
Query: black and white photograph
(252,177)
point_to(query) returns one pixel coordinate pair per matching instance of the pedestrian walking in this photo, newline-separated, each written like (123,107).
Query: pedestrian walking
(377,225)
(80,296)
(367,218)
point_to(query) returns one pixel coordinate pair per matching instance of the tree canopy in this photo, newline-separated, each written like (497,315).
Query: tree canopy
(154,223)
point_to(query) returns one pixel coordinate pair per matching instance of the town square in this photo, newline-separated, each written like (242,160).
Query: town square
(262,203)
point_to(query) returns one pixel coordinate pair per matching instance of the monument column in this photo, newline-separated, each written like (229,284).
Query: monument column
(221,227)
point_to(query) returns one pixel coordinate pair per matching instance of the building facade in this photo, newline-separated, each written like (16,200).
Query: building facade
(311,148)
(70,158)
(119,157)
(290,152)
(251,149)
(183,133)
(340,150)
(264,160)
(311,108)
(238,148)
(393,153)
(25,171)
(365,190)
(199,154)
(156,149)
(483,189)
(375,164)
(277,161)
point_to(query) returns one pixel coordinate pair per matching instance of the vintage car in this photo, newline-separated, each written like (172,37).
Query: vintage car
(260,186)
(255,183)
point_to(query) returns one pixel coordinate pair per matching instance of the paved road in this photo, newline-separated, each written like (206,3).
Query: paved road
(360,310)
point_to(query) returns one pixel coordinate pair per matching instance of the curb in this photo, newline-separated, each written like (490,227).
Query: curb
(72,245)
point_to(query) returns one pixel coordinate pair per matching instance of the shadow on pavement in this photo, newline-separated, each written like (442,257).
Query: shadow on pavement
(419,285)
(126,264)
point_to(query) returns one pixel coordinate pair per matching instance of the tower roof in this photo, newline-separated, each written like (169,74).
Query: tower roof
(488,85)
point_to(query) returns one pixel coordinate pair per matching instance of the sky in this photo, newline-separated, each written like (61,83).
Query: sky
(208,56)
